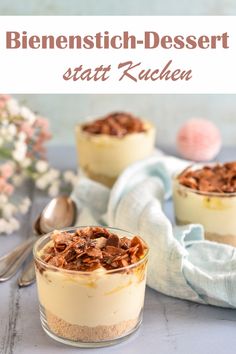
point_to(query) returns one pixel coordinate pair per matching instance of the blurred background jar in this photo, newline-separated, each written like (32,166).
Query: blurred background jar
(108,145)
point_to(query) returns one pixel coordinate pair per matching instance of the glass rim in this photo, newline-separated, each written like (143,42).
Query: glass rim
(78,272)
(195,191)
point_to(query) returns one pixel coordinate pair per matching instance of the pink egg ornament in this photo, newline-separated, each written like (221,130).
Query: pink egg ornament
(198,140)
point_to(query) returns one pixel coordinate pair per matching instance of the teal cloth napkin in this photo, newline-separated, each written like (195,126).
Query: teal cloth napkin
(181,263)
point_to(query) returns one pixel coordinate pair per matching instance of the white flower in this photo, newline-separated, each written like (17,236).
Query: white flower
(8,138)
(42,182)
(13,107)
(13,225)
(53,191)
(70,177)
(47,178)
(20,151)
(27,201)
(18,155)
(41,166)
(21,137)
(7,131)
(20,145)
(53,173)
(27,114)
(3,225)
(3,199)
(17,180)
(3,131)
(8,210)
(4,122)
(12,129)
(26,162)
(4,114)
(24,206)
(9,225)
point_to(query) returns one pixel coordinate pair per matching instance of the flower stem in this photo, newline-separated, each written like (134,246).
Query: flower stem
(5,154)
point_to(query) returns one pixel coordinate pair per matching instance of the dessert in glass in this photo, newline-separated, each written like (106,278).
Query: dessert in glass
(207,195)
(109,144)
(91,284)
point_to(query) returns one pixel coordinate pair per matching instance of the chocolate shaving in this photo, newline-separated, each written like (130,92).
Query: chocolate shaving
(70,256)
(94,252)
(125,243)
(139,246)
(113,240)
(114,251)
(92,247)
(118,124)
(220,178)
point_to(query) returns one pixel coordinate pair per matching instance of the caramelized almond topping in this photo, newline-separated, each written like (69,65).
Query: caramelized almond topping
(113,240)
(221,178)
(92,247)
(118,124)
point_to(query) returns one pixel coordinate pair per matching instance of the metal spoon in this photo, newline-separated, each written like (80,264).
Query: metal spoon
(11,262)
(59,213)
(28,270)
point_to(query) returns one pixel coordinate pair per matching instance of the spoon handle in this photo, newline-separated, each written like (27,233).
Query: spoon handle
(17,264)
(7,261)
(27,276)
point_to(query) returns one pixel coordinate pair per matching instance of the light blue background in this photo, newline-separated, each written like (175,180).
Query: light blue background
(167,111)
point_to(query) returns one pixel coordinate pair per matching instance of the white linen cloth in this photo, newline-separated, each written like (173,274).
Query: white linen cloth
(181,263)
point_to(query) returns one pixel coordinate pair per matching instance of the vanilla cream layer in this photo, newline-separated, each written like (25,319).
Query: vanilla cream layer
(109,155)
(91,300)
(216,213)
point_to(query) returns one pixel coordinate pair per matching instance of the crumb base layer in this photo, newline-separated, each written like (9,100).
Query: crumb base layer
(84,336)
(212,236)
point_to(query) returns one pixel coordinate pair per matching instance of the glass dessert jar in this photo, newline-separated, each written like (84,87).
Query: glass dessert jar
(107,146)
(207,195)
(96,306)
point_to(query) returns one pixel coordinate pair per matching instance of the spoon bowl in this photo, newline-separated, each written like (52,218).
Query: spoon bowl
(59,213)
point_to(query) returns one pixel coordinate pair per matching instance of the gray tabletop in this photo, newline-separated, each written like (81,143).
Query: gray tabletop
(169,325)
